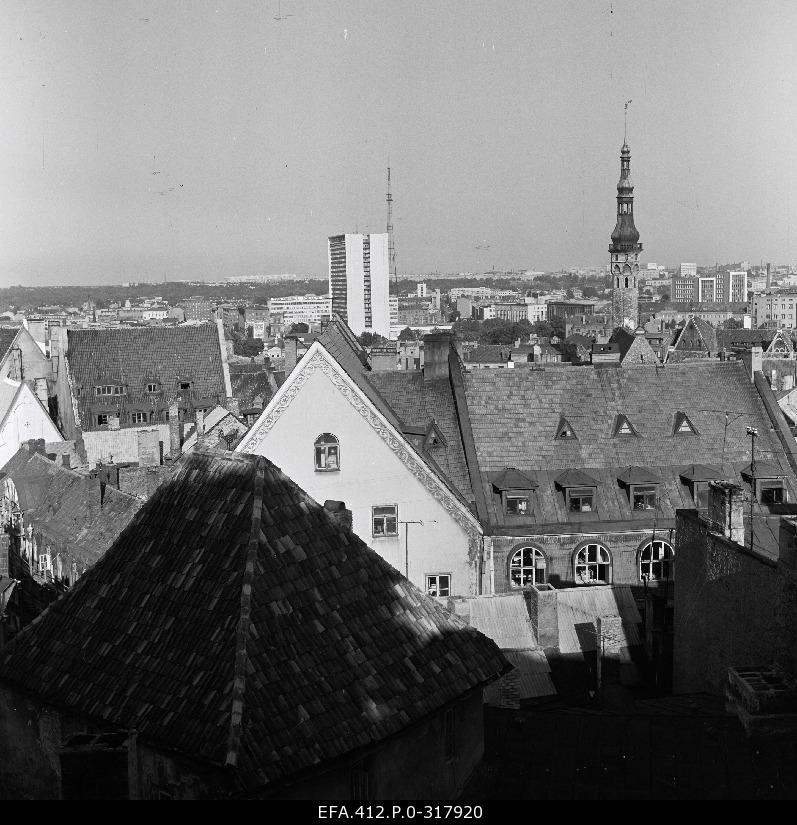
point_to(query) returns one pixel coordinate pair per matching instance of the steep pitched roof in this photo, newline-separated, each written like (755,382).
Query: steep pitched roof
(697,336)
(634,347)
(7,337)
(251,381)
(136,356)
(64,508)
(236,622)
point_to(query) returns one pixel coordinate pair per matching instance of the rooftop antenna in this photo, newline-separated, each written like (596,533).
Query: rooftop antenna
(625,124)
(391,245)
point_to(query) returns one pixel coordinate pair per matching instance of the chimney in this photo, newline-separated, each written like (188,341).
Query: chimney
(435,355)
(544,614)
(769,277)
(36,445)
(66,461)
(338,512)
(233,405)
(291,352)
(756,361)
(175,430)
(149,448)
(80,447)
(726,510)
(199,416)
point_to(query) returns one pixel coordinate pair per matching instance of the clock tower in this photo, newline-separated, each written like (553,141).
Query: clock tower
(624,251)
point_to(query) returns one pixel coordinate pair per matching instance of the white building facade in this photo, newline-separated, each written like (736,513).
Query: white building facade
(302,309)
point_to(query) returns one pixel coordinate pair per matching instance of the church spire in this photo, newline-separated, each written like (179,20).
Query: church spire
(625,248)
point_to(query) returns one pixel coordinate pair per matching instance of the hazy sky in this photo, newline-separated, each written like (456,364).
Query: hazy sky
(188,138)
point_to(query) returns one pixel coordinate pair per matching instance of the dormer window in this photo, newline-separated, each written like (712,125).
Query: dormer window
(579,491)
(698,477)
(184,385)
(623,427)
(109,389)
(564,431)
(516,490)
(683,426)
(769,482)
(642,486)
(154,387)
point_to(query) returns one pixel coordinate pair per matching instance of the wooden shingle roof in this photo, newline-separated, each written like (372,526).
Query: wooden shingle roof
(236,622)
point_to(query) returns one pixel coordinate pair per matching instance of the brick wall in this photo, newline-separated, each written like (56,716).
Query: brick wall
(727,607)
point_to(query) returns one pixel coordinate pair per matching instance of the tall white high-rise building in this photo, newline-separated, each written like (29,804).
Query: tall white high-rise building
(359,281)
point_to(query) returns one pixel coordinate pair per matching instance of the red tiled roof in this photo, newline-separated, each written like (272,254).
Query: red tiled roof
(236,622)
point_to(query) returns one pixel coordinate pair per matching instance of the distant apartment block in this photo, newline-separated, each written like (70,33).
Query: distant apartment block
(775,310)
(301,309)
(197,309)
(359,281)
(721,288)
(688,270)
(568,309)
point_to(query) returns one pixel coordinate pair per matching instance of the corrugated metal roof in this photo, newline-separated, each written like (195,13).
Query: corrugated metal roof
(504,619)
(530,679)
(579,607)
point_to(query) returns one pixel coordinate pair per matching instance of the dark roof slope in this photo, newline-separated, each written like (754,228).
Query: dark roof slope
(7,337)
(136,356)
(251,381)
(64,508)
(235,621)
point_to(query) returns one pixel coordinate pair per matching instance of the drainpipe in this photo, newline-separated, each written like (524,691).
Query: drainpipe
(492,566)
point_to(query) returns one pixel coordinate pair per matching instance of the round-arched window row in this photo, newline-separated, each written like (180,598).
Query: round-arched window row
(327,453)
(593,564)
(527,566)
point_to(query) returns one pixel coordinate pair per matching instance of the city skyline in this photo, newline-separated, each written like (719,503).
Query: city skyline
(159,140)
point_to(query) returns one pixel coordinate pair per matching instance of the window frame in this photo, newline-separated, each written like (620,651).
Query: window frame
(153,387)
(646,490)
(598,563)
(517,497)
(328,447)
(521,568)
(651,562)
(771,485)
(99,416)
(578,493)
(133,416)
(384,516)
(437,586)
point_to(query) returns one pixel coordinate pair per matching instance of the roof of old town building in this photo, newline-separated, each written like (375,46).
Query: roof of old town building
(630,425)
(136,357)
(235,621)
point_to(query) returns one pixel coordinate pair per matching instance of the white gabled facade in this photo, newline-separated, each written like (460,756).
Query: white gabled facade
(22,418)
(436,534)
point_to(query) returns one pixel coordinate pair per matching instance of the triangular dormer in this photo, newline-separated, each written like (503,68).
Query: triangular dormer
(780,346)
(433,436)
(564,431)
(623,427)
(683,426)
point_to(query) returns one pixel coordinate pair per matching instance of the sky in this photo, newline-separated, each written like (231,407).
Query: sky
(173,139)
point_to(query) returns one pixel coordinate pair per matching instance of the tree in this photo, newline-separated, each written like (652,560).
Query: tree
(247,346)
(569,294)
(371,339)
(543,329)
(590,292)
(407,335)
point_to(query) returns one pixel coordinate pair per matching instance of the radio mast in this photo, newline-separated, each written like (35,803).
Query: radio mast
(391,245)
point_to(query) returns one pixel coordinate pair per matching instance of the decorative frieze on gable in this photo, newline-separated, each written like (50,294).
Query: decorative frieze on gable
(320,360)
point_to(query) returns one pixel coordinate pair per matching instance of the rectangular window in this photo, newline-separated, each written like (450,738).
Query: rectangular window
(152,387)
(104,390)
(438,584)
(102,420)
(643,497)
(185,385)
(580,499)
(385,520)
(517,505)
(700,494)
(138,418)
(772,493)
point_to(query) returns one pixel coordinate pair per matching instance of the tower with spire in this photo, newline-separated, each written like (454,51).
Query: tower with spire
(624,250)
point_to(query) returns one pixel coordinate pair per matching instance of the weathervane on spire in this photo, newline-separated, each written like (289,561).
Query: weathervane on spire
(625,125)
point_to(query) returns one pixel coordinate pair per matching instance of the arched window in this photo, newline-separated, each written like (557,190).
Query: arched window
(656,561)
(593,564)
(527,567)
(327,452)
(626,281)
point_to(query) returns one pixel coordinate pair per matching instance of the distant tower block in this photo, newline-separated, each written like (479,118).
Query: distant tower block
(624,251)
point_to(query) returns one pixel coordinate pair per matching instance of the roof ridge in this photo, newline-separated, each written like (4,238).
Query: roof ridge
(245,618)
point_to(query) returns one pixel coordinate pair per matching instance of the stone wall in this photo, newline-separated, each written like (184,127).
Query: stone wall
(727,607)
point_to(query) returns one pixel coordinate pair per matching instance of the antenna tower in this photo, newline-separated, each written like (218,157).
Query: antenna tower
(391,245)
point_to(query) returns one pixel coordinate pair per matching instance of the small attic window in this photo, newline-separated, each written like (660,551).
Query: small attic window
(564,431)
(153,387)
(683,426)
(623,427)
(184,385)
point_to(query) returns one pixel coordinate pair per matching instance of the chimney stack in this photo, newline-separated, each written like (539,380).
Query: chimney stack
(233,405)
(291,352)
(337,510)
(544,614)
(436,346)
(5,546)
(199,416)
(175,430)
(36,445)
(726,510)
